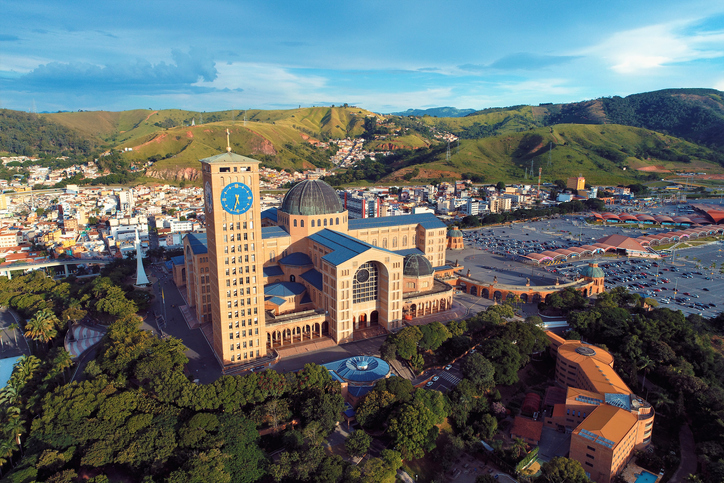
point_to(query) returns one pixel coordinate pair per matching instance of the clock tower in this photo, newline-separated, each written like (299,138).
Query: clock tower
(233,230)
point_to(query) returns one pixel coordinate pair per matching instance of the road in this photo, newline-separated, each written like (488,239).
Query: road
(202,362)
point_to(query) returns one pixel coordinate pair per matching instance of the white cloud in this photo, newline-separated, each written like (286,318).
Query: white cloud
(656,46)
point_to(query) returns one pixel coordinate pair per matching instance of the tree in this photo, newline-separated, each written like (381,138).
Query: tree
(479,371)
(375,408)
(406,341)
(519,448)
(562,469)
(62,361)
(500,186)
(433,335)
(358,443)
(41,327)
(413,431)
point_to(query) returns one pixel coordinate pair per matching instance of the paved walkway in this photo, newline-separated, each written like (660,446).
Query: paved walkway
(688,456)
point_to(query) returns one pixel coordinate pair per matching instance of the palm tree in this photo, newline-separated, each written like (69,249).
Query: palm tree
(519,447)
(645,364)
(6,453)
(41,327)
(15,427)
(62,361)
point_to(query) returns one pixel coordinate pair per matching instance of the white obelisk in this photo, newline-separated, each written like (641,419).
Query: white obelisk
(141,278)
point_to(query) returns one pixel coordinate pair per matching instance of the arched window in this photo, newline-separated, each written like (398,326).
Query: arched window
(374,242)
(404,241)
(292,278)
(365,285)
(325,222)
(337,222)
(271,255)
(312,223)
(302,222)
(384,243)
(394,242)
(295,223)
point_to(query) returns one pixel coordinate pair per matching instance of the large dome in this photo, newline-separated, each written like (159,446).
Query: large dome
(454,233)
(311,197)
(416,265)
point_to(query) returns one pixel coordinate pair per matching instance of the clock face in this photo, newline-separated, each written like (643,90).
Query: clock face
(236,198)
(207,197)
(363,275)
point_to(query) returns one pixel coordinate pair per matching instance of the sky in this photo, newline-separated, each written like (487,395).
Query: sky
(384,56)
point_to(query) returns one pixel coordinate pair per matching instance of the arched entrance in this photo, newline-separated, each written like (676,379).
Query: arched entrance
(374,318)
(485,294)
(497,296)
(524,298)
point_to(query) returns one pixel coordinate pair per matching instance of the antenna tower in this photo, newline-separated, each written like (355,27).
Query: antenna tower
(540,171)
(244,118)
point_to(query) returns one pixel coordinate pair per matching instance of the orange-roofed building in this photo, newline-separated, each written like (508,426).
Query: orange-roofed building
(607,420)
(527,429)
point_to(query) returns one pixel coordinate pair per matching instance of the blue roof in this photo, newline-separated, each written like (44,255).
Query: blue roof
(179,260)
(410,251)
(168,264)
(314,278)
(197,242)
(296,259)
(278,301)
(306,299)
(284,289)
(344,246)
(273,271)
(348,410)
(273,232)
(427,220)
(359,391)
(271,213)
(359,369)
(444,267)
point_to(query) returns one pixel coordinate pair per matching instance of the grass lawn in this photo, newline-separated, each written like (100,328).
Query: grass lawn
(423,469)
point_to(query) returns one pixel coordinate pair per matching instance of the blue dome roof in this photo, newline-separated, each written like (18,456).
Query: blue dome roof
(592,272)
(454,233)
(362,369)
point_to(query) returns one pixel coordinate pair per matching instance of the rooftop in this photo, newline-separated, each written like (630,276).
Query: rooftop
(427,220)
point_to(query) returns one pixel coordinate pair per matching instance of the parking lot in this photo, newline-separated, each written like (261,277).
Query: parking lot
(686,281)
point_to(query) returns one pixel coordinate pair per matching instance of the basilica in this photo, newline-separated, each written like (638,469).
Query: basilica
(265,280)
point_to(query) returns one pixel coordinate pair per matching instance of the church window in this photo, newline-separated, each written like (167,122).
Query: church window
(301,222)
(394,242)
(337,221)
(365,285)
(325,222)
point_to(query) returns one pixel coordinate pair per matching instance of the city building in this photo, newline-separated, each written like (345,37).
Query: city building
(576,183)
(607,421)
(316,274)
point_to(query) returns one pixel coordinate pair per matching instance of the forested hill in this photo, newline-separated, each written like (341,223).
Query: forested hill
(28,134)
(693,114)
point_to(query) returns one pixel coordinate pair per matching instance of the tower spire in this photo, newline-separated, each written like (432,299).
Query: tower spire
(228,144)
(141,278)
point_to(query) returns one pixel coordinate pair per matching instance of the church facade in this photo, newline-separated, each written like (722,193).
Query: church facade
(307,271)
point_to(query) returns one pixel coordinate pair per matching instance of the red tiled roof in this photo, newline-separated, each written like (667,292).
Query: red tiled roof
(527,428)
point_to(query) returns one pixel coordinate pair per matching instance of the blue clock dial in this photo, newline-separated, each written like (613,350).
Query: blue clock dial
(236,198)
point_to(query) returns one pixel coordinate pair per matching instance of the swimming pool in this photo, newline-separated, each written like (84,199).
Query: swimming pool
(646,477)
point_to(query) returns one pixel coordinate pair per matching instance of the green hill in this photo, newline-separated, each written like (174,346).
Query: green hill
(608,140)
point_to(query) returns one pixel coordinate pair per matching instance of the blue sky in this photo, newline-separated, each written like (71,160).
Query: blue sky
(380,55)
